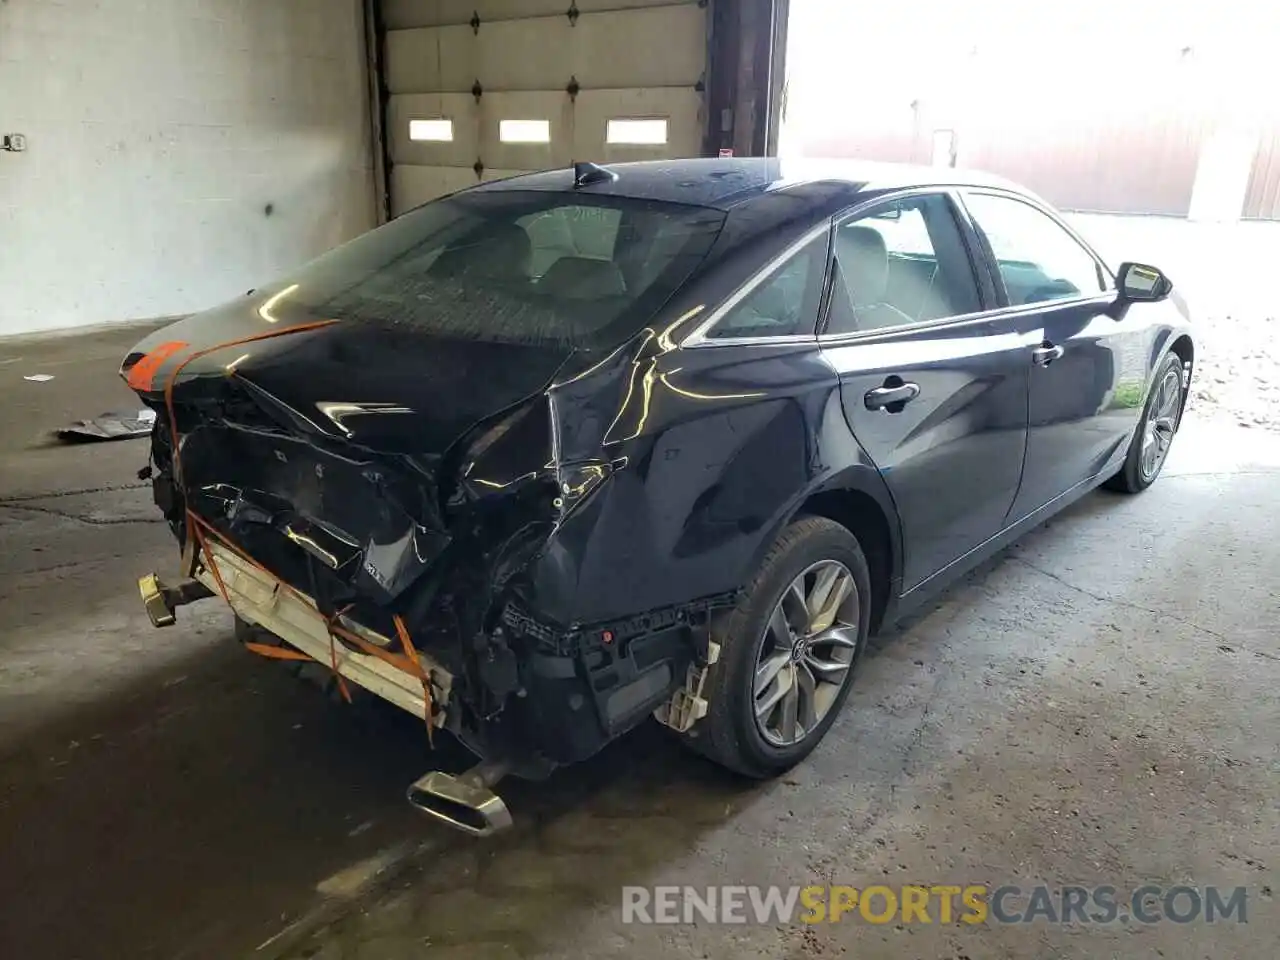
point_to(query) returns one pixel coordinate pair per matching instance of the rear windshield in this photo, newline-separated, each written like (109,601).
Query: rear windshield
(514,266)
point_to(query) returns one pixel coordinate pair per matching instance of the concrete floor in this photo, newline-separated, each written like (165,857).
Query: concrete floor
(1097,706)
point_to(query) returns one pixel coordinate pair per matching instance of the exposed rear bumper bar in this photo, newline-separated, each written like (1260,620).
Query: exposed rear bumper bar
(258,597)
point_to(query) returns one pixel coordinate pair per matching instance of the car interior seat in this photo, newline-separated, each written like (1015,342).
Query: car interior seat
(583,278)
(864,266)
(500,253)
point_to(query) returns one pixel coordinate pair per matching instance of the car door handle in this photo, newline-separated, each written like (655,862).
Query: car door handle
(891,397)
(1046,353)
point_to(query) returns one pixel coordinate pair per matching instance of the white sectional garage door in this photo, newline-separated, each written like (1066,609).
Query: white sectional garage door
(480,89)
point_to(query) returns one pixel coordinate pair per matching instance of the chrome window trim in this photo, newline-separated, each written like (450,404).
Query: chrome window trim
(780,339)
(982,316)
(906,193)
(698,336)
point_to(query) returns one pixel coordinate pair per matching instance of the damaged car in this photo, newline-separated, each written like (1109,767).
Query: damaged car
(550,456)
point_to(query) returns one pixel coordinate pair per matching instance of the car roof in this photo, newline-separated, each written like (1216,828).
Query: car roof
(728,182)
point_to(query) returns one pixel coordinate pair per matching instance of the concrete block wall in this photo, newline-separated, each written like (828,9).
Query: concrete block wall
(178,152)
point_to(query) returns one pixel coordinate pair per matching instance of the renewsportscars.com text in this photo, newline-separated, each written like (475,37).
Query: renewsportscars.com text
(936,903)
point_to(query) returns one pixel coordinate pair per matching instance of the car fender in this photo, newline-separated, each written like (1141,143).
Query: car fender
(858,477)
(1162,345)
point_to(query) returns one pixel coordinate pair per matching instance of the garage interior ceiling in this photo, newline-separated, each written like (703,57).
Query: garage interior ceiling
(483,89)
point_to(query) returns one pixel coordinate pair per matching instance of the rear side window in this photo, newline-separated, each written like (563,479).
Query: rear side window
(1038,259)
(528,267)
(900,263)
(785,303)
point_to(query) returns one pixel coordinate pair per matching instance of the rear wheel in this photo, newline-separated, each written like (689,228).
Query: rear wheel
(1154,436)
(787,651)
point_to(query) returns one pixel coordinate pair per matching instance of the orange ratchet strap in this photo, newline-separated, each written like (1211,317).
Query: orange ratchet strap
(200,529)
(261,649)
(409,648)
(173,377)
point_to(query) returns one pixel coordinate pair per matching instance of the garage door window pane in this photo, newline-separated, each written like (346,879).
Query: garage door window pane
(1038,259)
(638,132)
(524,131)
(438,130)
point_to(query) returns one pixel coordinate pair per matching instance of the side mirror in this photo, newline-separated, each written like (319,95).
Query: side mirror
(1141,283)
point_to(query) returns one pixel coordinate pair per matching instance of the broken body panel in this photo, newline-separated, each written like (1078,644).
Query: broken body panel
(520,544)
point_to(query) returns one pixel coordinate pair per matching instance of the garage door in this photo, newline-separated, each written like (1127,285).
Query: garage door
(481,89)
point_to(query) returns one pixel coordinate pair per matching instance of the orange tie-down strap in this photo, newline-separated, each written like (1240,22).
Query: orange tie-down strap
(170,349)
(408,662)
(202,530)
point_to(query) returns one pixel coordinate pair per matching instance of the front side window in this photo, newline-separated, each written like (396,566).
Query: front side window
(784,303)
(508,266)
(900,263)
(1038,259)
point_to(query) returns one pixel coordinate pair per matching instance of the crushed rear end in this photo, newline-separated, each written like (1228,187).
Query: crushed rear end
(412,509)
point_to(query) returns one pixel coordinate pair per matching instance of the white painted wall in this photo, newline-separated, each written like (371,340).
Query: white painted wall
(158,132)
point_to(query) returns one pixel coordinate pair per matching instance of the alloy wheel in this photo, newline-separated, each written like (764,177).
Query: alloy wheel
(806,652)
(1161,423)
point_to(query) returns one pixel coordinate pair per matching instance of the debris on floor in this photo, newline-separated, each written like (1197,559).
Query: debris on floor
(109,426)
(39,377)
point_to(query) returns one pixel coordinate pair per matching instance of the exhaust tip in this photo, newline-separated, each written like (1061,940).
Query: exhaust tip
(156,601)
(464,802)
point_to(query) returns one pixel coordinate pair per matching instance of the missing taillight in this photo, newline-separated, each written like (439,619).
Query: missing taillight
(579,481)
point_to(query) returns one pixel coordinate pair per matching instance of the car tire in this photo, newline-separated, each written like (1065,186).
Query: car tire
(1161,417)
(731,734)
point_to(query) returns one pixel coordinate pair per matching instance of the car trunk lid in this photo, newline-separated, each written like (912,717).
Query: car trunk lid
(320,449)
(385,387)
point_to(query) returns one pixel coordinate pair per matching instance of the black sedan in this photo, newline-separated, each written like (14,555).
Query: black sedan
(546,457)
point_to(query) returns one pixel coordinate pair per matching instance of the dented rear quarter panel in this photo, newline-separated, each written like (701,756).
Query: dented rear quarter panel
(722,446)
